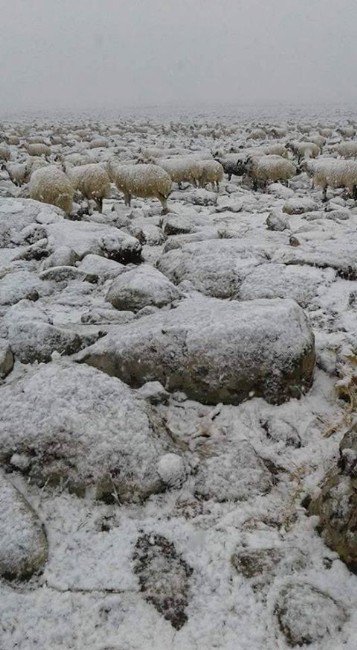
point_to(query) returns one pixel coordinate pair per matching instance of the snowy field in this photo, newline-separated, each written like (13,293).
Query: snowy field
(178,381)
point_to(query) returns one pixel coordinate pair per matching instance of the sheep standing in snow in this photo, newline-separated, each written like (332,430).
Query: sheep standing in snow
(333,173)
(182,169)
(347,149)
(38,149)
(146,181)
(304,150)
(32,164)
(92,181)
(231,164)
(262,169)
(18,172)
(5,153)
(211,172)
(51,185)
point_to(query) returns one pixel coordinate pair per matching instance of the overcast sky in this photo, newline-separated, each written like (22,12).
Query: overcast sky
(88,54)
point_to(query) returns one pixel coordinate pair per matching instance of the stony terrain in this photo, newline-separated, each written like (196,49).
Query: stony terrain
(178,401)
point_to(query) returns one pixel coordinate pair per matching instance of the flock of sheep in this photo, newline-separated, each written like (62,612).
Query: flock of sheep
(64,164)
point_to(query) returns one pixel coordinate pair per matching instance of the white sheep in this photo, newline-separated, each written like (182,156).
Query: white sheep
(182,169)
(335,174)
(92,181)
(304,150)
(18,172)
(211,172)
(38,149)
(33,163)
(268,150)
(347,131)
(51,185)
(146,181)
(98,143)
(262,169)
(5,153)
(12,139)
(347,149)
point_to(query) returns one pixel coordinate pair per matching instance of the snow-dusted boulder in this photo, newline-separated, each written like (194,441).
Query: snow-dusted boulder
(301,283)
(23,543)
(87,430)
(16,214)
(307,615)
(62,256)
(277,222)
(85,237)
(214,351)
(100,266)
(298,205)
(215,268)
(140,287)
(66,274)
(183,222)
(32,336)
(18,285)
(340,254)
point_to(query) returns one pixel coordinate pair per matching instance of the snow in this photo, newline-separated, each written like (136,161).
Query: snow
(172,522)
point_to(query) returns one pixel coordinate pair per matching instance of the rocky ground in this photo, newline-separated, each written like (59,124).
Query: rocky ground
(177,421)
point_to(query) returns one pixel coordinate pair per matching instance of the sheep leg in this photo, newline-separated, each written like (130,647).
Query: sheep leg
(217,186)
(354,192)
(324,193)
(229,176)
(179,184)
(163,201)
(255,185)
(99,203)
(127,198)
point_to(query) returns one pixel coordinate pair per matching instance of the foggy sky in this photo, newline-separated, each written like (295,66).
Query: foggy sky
(88,54)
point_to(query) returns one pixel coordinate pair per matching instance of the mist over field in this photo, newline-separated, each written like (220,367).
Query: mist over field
(75,55)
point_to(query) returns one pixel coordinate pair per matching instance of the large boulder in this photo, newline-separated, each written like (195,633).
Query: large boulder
(33,337)
(140,287)
(215,267)
(339,253)
(301,283)
(17,214)
(85,238)
(214,351)
(72,425)
(21,284)
(23,543)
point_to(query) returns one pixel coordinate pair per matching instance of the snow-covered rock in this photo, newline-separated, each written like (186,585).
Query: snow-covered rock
(85,238)
(307,615)
(82,429)
(301,283)
(215,268)
(298,205)
(214,351)
(23,543)
(140,287)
